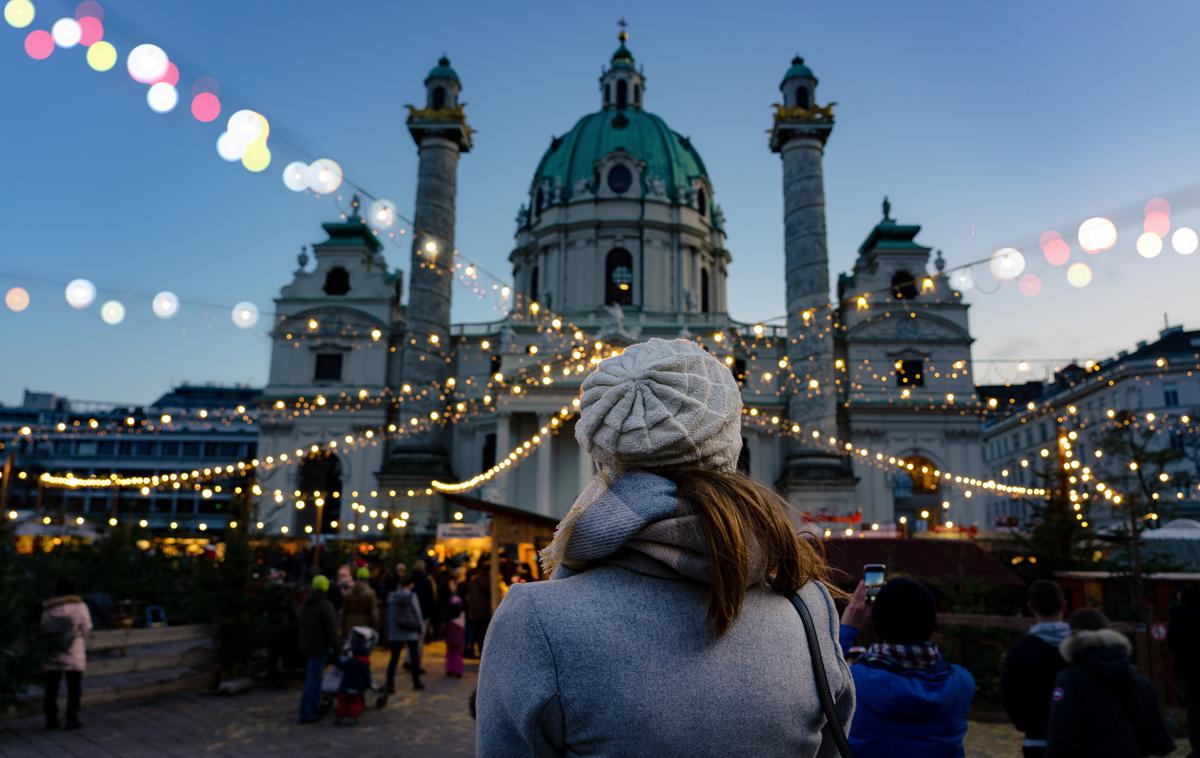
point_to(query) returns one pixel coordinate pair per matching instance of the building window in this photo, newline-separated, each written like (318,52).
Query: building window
(608,94)
(533,283)
(802,97)
(337,281)
(622,93)
(539,201)
(705,304)
(329,367)
(910,373)
(495,364)
(1170,395)
(637,94)
(489,452)
(439,98)
(904,287)
(618,276)
(620,179)
(701,202)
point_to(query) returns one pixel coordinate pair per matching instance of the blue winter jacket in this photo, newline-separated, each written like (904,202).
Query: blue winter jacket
(907,713)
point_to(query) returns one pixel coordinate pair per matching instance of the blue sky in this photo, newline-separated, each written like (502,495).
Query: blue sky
(985,123)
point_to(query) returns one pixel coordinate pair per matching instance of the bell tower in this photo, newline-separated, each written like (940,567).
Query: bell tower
(622,85)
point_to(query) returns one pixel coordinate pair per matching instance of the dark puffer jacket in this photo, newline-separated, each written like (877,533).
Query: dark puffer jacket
(318,625)
(1101,705)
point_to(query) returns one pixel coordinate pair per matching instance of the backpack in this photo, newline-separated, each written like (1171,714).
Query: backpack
(406,616)
(59,632)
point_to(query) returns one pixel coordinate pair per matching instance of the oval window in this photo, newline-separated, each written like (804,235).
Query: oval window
(620,179)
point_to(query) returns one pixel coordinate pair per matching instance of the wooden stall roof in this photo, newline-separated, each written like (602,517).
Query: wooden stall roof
(935,560)
(496,509)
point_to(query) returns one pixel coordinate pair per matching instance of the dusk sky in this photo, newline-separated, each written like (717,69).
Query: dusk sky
(987,124)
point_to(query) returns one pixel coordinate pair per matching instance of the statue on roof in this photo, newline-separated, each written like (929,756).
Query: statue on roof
(887,209)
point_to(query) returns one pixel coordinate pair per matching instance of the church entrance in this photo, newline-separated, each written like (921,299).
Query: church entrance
(321,491)
(915,493)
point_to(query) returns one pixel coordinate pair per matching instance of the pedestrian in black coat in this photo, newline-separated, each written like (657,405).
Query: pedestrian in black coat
(1101,705)
(1032,665)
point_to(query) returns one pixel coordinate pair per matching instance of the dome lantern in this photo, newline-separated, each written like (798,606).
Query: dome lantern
(622,84)
(799,85)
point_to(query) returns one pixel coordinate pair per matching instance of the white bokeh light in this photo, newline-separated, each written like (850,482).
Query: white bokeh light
(162,97)
(245,126)
(324,176)
(147,63)
(1097,234)
(962,280)
(244,315)
(1149,244)
(80,293)
(1007,263)
(228,148)
(66,32)
(381,214)
(112,312)
(295,176)
(1185,240)
(165,305)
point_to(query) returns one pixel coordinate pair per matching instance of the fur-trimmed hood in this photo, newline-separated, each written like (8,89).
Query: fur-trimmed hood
(1082,640)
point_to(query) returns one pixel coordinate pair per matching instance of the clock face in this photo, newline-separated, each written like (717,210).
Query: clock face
(907,328)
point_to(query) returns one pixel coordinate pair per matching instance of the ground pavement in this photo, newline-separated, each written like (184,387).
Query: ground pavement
(262,723)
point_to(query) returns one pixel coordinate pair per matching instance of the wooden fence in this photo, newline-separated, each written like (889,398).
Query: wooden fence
(127,664)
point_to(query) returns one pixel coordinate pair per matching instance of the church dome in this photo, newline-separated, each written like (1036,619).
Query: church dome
(666,155)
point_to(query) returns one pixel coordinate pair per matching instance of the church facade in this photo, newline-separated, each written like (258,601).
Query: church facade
(620,239)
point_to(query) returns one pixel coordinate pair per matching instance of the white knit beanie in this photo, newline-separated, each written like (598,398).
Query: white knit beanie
(661,403)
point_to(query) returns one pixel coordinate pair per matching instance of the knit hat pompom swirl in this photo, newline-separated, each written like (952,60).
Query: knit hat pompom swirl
(661,403)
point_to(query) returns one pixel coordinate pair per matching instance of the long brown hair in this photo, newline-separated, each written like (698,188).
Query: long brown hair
(736,512)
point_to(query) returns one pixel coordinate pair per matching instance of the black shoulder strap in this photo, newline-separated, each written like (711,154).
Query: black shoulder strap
(833,727)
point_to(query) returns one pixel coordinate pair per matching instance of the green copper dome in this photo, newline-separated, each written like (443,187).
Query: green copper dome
(798,70)
(665,154)
(442,70)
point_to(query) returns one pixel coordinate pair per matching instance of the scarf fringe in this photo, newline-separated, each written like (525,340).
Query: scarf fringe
(555,554)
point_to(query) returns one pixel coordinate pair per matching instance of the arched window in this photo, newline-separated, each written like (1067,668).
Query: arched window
(533,283)
(439,98)
(705,304)
(701,202)
(618,277)
(637,94)
(904,287)
(802,100)
(539,201)
(608,94)
(321,472)
(622,93)
(489,451)
(337,281)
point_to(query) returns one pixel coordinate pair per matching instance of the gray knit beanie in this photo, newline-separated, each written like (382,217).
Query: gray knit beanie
(661,403)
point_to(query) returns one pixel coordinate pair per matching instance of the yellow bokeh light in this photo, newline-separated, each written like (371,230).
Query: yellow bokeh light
(257,157)
(1079,275)
(19,13)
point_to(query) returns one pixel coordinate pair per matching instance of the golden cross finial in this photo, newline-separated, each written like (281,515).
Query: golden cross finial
(624,35)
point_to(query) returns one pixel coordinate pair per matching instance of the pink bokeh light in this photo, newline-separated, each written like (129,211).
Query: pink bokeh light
(1157,204)
(1029,285)
(1054,248)
(171,76)
(92,31)
(206,107)
(89,9)
(39,44)
(1157,221)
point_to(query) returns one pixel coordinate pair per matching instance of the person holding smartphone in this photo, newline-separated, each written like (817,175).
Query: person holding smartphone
(911,700)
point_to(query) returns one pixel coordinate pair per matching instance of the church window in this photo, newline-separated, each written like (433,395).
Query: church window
(329,367)
(620,179)
(337,281)
(622,93)
(704,301)
(533,283)
(904,287)
(910,373)
(701,202)
(489,451)
(608,94)
(802,100)
(539,201)
(439,98)
(618,279)
(1170,395)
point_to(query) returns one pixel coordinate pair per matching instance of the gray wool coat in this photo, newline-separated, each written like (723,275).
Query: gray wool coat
(620,660)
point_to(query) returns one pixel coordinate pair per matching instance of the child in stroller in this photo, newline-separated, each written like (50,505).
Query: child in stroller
(350,679)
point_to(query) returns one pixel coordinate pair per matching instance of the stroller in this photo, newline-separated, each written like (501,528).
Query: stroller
(368,638)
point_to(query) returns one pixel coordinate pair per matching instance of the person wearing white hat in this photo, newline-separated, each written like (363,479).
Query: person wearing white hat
(670,626)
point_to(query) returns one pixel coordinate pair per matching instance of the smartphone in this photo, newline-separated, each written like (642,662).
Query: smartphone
(874,575)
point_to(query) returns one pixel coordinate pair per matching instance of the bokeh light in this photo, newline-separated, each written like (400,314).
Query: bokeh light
(89,9)
(228,148)
(381,214)
(1029,285)
(1097,234)
(112,312)
(80,293)
(295,176)
(206,107)
(19,13)
(324,176)
(1079,275)
(39,44)
(162,97)
(102,56)
(165,305)
(1185,241)
(17,299)
(1007,263)
(244,315)
(170,76)
(66,32)
(146,63)
(245,126)
(962,280)
(1149,244)
(1054,248)
(91,31)
(1157,205)
(1157,222)
(257,157)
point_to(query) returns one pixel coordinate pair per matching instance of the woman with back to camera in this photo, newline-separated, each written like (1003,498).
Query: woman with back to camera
(667,628)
